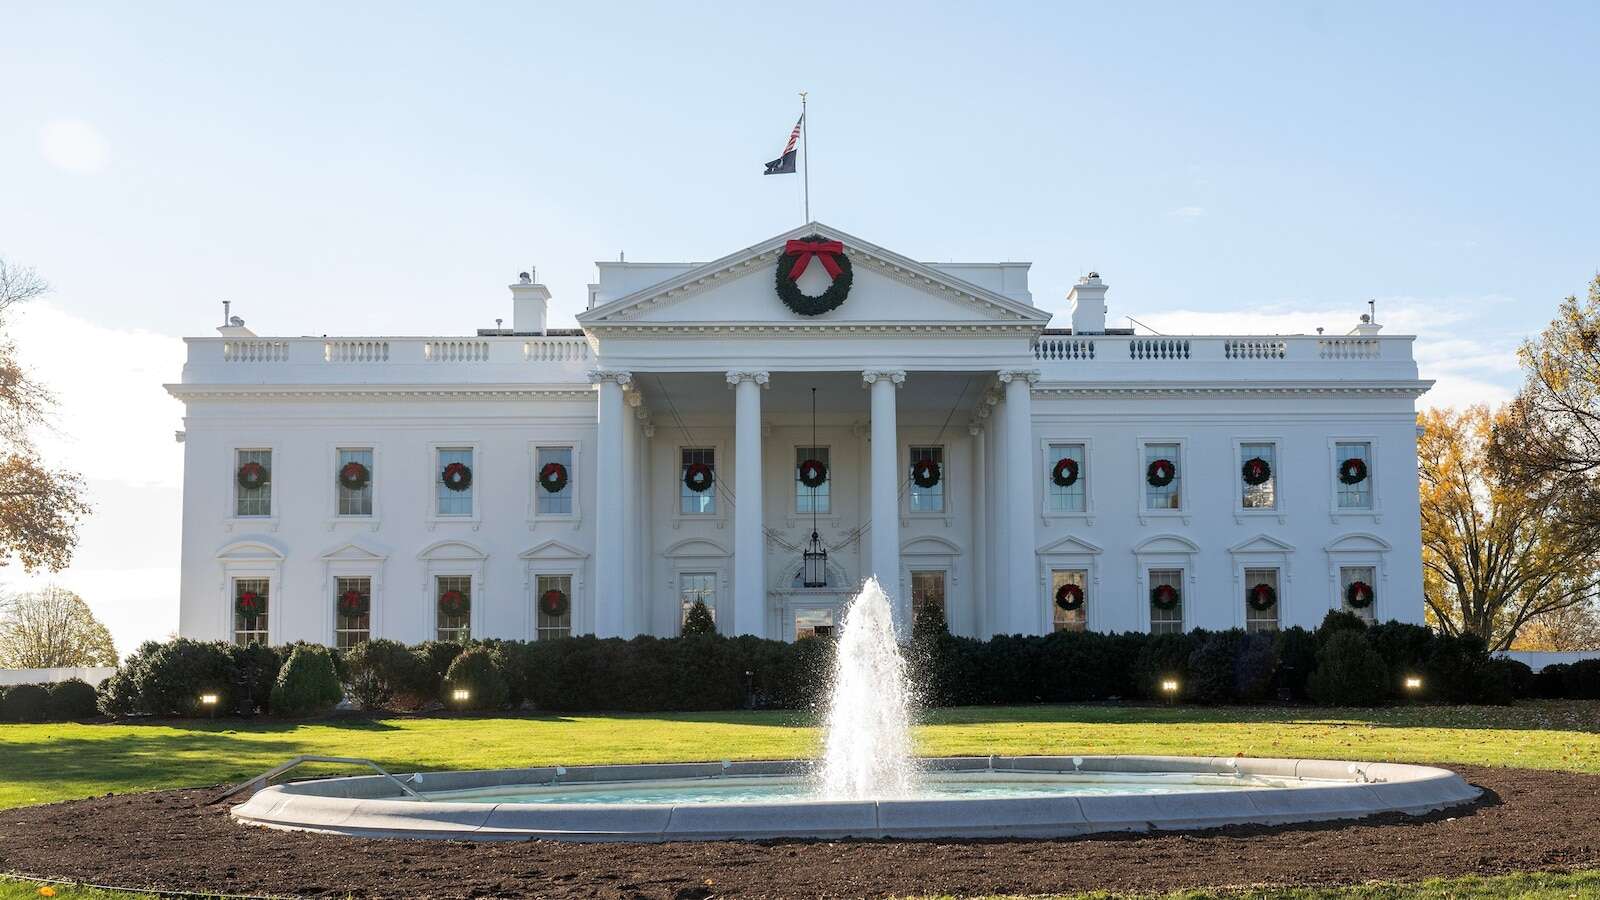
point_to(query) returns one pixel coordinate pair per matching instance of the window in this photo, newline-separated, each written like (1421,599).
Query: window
(697,587)
(552,627)
(1357,495)
(1069,619)
(927,593)
(1265,494)
(809,499)
(249,593)
(547,502)
(453,626)
(1166,621)
(255,500)
(1256,619)
(1071,497)
(350,630)
(928,499)
(1169,495)
(690,501)
(453,500)
(1349,575)
(813,623)
(355,501)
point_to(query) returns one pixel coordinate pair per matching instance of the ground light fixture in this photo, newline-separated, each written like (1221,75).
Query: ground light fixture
(209,701)
(460,695)
(1169,687)
(1413,683)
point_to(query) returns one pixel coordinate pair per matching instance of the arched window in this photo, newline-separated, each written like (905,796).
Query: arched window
(800,578)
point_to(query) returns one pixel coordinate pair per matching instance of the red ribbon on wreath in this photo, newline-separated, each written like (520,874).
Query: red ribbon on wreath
(823,251)
(1359,595)
(1069,596)
(553,602)
(249,605)
(453,603)
(352,604)
(1263,597)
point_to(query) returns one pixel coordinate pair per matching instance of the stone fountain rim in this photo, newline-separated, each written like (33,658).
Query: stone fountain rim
(371,806)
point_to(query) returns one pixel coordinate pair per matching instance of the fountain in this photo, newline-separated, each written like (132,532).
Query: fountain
(866,743)
(866,784)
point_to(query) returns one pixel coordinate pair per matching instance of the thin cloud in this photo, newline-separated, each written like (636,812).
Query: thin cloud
(74,145)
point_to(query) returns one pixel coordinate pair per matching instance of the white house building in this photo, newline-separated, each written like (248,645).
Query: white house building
(686,439)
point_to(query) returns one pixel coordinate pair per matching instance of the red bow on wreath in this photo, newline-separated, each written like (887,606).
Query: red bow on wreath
(822,250)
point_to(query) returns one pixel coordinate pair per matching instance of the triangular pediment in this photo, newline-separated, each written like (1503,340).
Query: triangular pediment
(1068,545)
(353,552)
(1262,543)
(553,550)
(887,288)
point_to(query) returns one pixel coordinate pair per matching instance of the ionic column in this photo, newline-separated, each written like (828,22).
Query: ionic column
(611,478)
(1019,614)
(884,558)
(749,523)
(980,528)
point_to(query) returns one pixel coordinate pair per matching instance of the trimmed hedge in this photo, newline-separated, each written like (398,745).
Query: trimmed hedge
(71,700)
(24,703)
(1365,665)
(308,683)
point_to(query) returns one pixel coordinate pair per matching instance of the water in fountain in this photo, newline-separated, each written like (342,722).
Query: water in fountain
(866,749)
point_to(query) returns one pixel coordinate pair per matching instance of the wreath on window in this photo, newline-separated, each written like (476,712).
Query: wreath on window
(796,256)
(457,477)
(698,477)
(925,473)
(1263,597)
(250,605)
(353,604)
(1065,472)
(813,474)
(252,475)
(454,603)
(1160,473)
(1256,471)
(1069,596)
(553,477)
(554,602)
(1164,597)
(1358,595)
(1353,470)
(353,476)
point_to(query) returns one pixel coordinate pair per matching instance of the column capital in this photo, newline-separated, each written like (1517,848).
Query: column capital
(623,378)
(735,376)
(1031,376)
(873,376)
(975,427)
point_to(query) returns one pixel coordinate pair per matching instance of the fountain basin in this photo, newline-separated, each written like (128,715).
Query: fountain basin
(960,797)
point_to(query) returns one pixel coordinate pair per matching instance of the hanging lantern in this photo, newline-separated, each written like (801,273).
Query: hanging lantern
(815,572)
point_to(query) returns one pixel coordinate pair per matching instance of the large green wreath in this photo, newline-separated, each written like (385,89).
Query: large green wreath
(789,290)
(1164,597)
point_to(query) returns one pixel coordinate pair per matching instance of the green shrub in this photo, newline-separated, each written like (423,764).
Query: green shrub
(71,700)
(377,670)
(1349,672)
(1255,668)
(1165,657)
(255,668)
(480,671)
(1296,649)
(168,678)
(1457,671)
(308,683)
(699,620)
(1404,648)
(436,657)
(1517,674)
(1550,682)
(118,696)
(1211,667)
(1338,620)
(25,703)
(1582,680)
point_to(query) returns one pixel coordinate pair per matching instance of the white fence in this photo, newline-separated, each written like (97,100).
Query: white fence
(92,674)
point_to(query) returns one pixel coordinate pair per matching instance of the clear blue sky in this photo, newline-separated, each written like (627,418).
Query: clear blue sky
(385,168)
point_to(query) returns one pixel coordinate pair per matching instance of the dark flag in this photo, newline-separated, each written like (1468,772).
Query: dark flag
(784,165)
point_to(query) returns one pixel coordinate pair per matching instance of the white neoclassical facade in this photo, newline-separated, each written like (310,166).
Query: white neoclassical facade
(531,482)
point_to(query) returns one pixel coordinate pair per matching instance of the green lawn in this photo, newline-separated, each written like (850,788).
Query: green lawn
(45,763)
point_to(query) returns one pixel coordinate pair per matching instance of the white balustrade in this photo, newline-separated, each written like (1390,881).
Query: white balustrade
(1254,348)
(1347,348)
(1056,348)
(355,351)
(1158,348)
(556,350)
(255,351)
(456,351)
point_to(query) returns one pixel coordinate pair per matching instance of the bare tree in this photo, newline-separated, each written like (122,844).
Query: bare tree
(52,628)
(1574,627)
(40,506)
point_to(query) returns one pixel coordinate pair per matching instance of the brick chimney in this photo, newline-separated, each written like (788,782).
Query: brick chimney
(1087,300)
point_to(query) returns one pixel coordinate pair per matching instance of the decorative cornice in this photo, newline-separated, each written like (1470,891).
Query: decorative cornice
(1006,376)
(813,327)
(619,376)
(187,392)
(1412,389)
(873,376)
(757,376)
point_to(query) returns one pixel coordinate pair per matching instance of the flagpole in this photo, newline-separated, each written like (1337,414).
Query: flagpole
(805,138)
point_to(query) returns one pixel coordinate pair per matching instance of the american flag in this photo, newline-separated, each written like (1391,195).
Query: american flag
(784,165)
